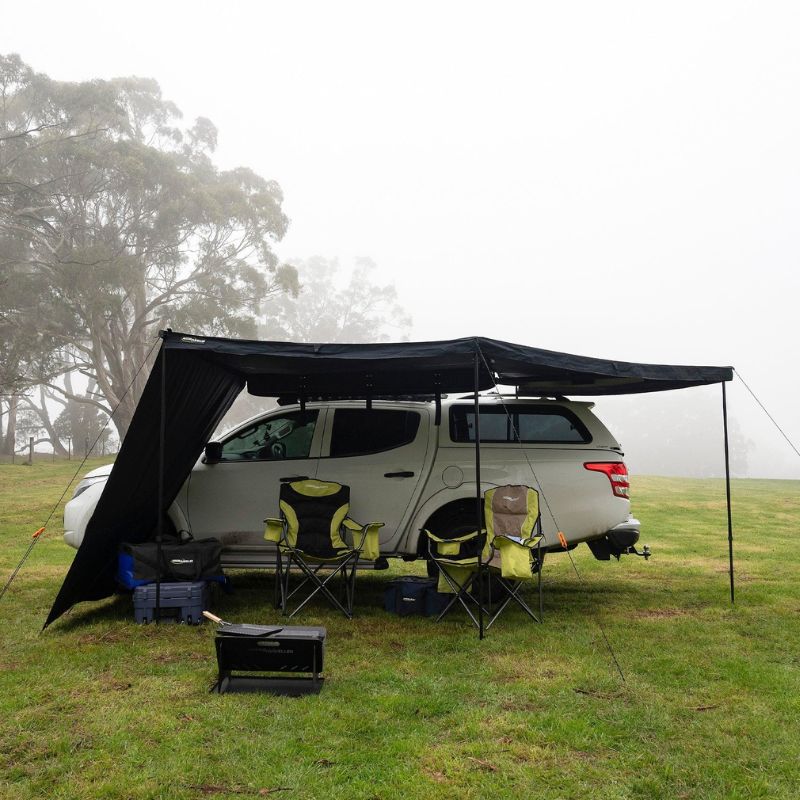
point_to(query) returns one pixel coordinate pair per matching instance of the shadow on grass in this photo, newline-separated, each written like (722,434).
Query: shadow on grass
(252,594)
(116,609)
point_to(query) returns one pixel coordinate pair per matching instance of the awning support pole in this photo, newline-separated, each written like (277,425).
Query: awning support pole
(728,485)
(478,498)
(161,447)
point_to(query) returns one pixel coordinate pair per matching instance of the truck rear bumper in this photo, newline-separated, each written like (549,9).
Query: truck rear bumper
(630,527)
(616,541)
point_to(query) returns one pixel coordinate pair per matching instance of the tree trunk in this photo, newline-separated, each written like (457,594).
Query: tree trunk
(7,444)
(122,417)
(47,423)
(73,409)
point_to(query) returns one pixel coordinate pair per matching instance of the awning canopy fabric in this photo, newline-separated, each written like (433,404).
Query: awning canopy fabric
(196,379)
(275,369)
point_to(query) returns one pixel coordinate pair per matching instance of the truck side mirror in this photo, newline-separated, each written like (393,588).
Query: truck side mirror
(213,452)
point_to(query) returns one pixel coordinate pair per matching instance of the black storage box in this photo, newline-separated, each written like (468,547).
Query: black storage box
(194,560)
(182,602)
(269,649)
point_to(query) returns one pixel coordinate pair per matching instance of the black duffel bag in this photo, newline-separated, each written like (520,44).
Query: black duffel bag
(193,560)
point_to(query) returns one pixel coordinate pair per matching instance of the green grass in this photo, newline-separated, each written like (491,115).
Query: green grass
(98,707)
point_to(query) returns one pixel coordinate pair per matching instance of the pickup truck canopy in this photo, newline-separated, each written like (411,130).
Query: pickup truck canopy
(196,379)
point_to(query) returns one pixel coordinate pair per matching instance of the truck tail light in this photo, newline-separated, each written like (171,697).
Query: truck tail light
(617,473)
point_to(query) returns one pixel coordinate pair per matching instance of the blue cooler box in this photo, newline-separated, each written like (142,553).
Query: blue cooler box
(181,602)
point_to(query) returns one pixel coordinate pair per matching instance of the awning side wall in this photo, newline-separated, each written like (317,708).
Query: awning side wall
(198,393)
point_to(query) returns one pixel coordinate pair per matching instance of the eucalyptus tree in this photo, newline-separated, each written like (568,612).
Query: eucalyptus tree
(333,305)
(117,222)
(336,307)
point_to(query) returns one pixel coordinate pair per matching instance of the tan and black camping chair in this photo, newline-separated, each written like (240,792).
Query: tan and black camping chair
(514,531)
(510,549)
(313,534)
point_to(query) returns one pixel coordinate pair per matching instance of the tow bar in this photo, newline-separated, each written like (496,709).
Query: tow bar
(645,554)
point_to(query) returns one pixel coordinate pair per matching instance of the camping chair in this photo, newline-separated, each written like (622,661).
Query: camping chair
(457,561)
(510,548)
(314,533)
(514,531)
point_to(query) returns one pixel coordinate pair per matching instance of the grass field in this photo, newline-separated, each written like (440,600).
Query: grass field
(98,707)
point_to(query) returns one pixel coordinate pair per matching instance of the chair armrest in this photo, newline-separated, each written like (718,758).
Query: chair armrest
(369,546)
(450,546)
(274,530)
(533,541)
(516,557)
(463,538)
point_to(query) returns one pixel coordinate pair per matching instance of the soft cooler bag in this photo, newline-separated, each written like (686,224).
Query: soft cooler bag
(407,595)
(195,560)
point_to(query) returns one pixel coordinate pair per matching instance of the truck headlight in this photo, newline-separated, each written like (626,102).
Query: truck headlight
(84,485)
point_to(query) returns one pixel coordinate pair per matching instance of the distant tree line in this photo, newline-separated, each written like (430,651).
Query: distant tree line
(115,223)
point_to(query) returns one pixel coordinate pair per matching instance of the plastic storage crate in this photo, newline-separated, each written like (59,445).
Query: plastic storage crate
(181,602)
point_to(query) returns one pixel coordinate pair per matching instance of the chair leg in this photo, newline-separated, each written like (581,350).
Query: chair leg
(539,581)
(306,570)
(321,586)
(460,595)
(278,592)
(514,588)
(350,583)
(311,574)
(499,610)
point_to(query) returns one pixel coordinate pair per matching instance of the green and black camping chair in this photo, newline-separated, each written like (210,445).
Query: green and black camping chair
(510,550)
(457,560)
(314,534)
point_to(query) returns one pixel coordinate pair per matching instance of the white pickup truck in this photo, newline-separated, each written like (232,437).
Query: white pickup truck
(403,470)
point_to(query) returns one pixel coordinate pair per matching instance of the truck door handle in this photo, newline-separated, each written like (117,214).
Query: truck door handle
(402,474)
(293,478)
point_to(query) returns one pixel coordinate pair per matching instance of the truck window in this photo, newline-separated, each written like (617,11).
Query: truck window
(274,439)
(533,424)
(360,431)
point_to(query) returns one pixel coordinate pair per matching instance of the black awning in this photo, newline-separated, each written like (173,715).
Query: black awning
(202,376)
(284,368)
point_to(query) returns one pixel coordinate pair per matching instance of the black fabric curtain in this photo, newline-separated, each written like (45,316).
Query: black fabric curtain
(198,393)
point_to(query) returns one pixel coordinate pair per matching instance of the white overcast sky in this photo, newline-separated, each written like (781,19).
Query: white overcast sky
(612,179)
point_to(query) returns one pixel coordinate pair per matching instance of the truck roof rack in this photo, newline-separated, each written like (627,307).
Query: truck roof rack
(288,400)
(513,396)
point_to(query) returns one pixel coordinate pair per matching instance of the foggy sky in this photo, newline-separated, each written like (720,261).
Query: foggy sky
(611,179)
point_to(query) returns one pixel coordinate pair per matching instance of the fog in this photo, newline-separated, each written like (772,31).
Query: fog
(618,180)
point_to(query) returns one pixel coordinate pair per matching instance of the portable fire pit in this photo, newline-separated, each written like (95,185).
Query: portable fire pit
(249,656)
